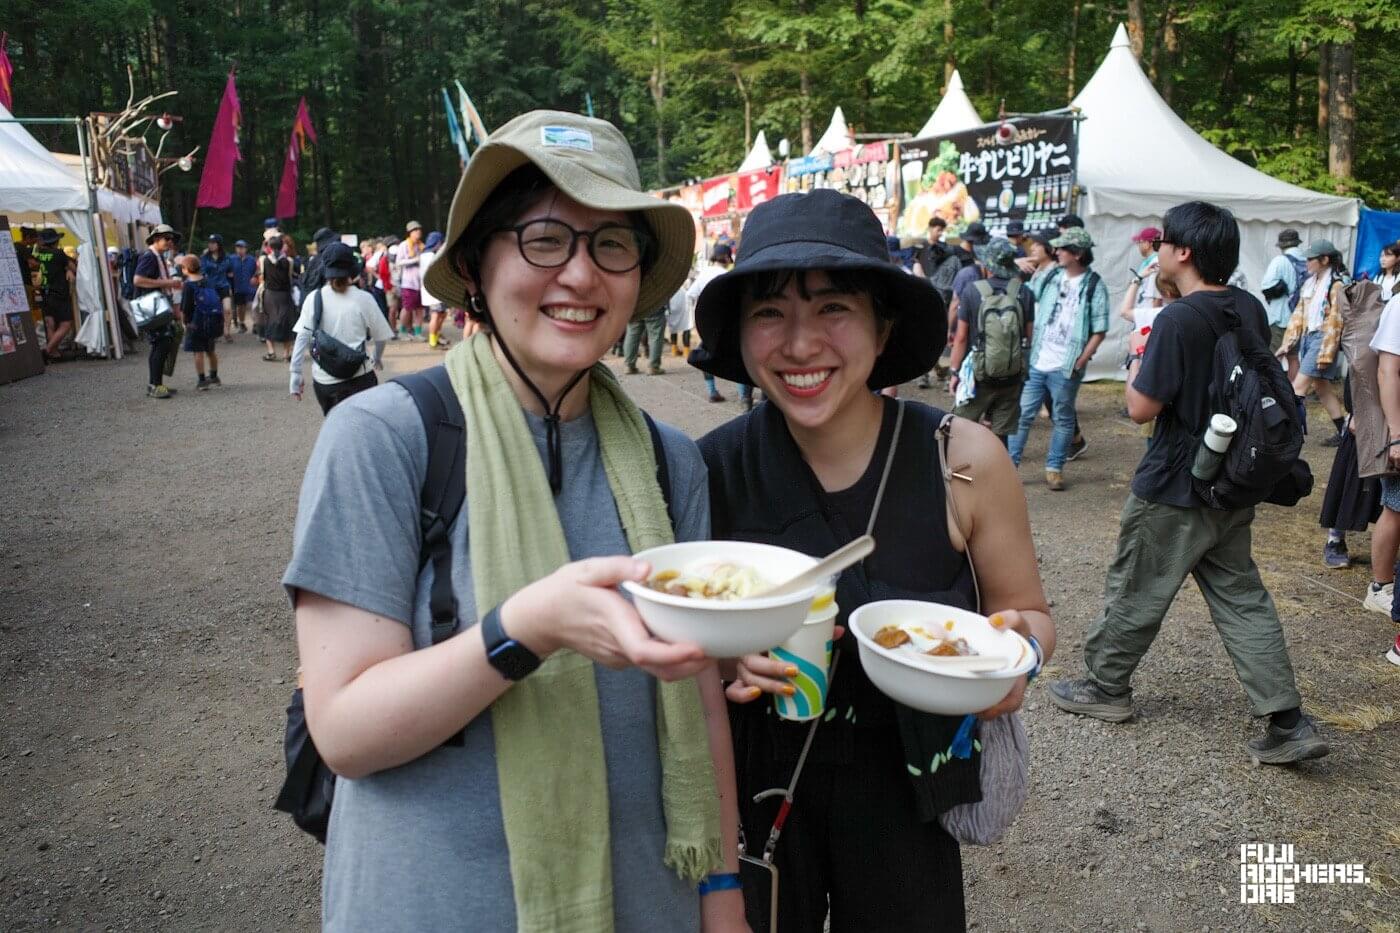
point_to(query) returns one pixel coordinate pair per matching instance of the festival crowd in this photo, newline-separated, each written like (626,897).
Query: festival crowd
(600,775)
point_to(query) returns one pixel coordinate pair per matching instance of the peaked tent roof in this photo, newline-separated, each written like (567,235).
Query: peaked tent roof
(1136,156)
(953,113)
(31,179)
(837,137)
(759,156)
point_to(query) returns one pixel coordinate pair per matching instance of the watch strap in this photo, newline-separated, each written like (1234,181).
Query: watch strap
(513,660)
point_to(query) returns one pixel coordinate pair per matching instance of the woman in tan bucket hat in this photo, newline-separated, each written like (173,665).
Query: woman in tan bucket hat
(548,765)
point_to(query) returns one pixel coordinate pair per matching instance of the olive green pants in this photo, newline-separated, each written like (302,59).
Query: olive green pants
(1158,545)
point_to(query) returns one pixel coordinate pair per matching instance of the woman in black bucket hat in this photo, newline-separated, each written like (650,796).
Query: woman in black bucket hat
(816,316)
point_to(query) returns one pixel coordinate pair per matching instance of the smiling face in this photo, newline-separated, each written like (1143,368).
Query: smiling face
(811,355)
(561,320)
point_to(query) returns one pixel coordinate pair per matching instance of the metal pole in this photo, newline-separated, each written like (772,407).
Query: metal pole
(104,287)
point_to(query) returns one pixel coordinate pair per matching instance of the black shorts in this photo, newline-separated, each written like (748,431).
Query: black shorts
(332,395)
(59,307)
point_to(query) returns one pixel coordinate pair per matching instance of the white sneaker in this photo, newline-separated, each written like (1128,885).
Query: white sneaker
(1379,600)
(1393,655)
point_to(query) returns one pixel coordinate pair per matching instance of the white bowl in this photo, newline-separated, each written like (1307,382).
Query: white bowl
(925,685)
(724,628)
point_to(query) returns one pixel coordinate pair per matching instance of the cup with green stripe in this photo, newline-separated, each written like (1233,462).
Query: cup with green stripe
(810,652)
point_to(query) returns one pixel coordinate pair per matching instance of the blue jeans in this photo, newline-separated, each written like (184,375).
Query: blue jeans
(745,391)
(1062,391)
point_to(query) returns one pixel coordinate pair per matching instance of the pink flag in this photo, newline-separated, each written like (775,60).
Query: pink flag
(216,184)
(303,135)
(7,71)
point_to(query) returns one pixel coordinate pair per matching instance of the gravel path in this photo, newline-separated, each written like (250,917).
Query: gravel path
(146,654)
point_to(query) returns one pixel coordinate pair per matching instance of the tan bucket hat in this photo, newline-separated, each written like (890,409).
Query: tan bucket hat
(590,161)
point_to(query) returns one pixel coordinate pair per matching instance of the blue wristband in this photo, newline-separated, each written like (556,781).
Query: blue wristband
(1039,659)
(713,883)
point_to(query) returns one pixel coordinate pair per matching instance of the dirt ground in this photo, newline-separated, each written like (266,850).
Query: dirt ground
(146,655)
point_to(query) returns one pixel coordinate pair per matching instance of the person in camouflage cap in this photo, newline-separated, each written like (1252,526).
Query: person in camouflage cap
(990,358)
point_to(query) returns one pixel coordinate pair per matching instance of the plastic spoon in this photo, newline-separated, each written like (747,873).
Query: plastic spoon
(833,563)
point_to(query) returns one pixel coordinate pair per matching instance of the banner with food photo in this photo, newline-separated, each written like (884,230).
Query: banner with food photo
(1022,169)
(867,173)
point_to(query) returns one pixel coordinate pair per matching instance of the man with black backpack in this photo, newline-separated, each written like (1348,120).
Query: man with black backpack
(1178,522)
(994,322)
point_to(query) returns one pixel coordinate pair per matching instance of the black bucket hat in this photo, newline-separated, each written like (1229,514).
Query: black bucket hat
(825,230)
(339,260)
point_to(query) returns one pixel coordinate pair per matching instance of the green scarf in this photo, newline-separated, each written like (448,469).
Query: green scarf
(549,742)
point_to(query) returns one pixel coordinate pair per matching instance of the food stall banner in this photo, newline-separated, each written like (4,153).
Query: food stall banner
(715,194)
(757,186)
(1022,170)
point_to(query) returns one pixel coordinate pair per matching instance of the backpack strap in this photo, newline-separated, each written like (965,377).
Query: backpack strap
(444,485)
(663,470)
(316,321)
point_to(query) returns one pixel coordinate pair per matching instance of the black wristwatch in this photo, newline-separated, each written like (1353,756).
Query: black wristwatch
(510,657)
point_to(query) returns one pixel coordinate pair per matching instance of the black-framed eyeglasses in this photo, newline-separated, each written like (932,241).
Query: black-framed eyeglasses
(1156,243)
(549,244)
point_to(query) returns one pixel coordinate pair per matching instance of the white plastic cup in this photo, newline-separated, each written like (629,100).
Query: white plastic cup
(810,652)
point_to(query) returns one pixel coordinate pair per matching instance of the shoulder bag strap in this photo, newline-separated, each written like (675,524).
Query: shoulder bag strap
(945,434)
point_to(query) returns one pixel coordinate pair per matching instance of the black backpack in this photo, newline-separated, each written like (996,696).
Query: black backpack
(337,358)
(1262,463)
(309,789)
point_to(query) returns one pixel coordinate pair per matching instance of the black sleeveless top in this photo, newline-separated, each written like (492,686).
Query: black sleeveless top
(762,490)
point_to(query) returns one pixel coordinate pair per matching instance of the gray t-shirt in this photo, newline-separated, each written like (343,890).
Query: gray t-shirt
(422,846)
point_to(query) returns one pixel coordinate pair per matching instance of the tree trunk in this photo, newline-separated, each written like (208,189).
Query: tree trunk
(748,108)
(1073,50)
(657,85)
(1137,26)
(804,89)
(950,60)
(1324,82)
(1171,41)
(1293,91)
(1341,126)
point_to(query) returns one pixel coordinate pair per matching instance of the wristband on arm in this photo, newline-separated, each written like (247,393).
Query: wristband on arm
(719,882)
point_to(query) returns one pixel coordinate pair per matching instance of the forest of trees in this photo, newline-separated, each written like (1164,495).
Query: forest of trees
(1302,89)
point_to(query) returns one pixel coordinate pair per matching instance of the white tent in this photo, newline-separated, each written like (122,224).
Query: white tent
(837,137)
(1137,159)
(953,114)
(31,179)
(123,208)
(759,156)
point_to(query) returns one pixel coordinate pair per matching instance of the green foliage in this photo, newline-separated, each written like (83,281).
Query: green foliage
(1243,72)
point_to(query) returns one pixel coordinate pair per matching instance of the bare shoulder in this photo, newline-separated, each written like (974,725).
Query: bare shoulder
(976,452)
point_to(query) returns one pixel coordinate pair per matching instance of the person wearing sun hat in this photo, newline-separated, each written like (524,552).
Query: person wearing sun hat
(816,315)
(593,787)
(432,304)
(1010,305)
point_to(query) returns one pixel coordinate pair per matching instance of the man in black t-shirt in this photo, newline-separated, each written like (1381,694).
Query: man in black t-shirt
(56,275)
(1166,531)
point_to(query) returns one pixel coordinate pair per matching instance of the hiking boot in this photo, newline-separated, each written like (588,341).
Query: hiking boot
(1076,448)
(203,384)
(1379,597)
(656,371)
(1087,698)
(214,380)
(633,371)
(1335,556)
(716,397)
(1054,480)
(1285,746)
(1393,655)
(157,392)
(1332,440)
